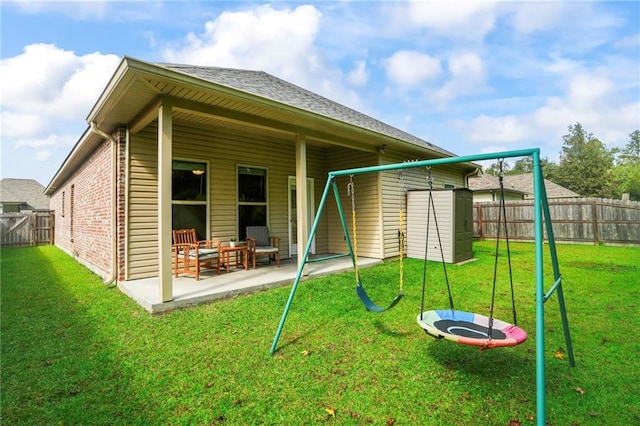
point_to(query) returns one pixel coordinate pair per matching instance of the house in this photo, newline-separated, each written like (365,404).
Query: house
(171,146)
(22,196)
(486,187)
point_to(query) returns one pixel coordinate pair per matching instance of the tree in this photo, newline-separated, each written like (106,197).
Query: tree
(626,173)
(522,166)
(585,164)
(631,152)
(494,168)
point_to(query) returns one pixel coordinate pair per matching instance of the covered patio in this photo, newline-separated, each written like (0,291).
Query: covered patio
(189,292)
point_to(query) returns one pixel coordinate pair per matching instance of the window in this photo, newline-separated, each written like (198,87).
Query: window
(252,198)
(189,196)
(73,187)
(11,208)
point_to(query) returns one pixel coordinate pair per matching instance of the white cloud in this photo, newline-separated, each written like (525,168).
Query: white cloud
(409,69)
(629,42)
(359,75)
(536,16)
(498,129)
(591,99)
(46,93)
(467,76)
(43,155)
(47,80)
(281,42)
(462,19)
(278,41)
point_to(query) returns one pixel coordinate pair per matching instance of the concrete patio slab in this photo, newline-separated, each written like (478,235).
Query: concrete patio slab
(189,292)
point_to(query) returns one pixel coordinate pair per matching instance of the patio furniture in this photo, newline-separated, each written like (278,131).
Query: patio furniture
(191,255)
(241,254)
(259,243)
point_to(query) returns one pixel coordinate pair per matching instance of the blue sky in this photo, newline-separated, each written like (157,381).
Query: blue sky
(469,76)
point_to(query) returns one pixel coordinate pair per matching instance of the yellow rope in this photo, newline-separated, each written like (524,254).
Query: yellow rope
(355,245)
(351,192)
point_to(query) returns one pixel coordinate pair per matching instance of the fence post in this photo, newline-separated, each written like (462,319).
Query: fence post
(33,230)
(594,215)
(480,224)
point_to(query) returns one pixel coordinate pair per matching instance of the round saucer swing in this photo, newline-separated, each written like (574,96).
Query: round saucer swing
(467,327)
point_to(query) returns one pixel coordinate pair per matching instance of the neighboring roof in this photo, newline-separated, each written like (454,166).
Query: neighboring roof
(24,191)
(522,183)
(487,182)
(265,85)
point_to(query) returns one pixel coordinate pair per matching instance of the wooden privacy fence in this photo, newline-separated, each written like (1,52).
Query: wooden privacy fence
(18,229)
(581,220)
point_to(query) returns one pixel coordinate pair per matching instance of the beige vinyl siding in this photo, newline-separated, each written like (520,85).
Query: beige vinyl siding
(224,152)
(367,203)
(142,206)
(392,201)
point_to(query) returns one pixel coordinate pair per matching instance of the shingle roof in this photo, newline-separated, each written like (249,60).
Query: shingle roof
(24,191)
(522,183)
(265,85)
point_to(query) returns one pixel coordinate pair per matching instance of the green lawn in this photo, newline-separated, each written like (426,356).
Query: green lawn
(76,352)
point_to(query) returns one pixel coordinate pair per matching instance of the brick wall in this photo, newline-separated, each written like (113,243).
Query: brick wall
(85,229)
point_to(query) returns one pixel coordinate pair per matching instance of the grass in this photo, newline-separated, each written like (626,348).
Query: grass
(76,352)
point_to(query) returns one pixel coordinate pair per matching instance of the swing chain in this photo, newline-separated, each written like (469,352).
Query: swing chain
(351,193)
(401,234)
(429,177)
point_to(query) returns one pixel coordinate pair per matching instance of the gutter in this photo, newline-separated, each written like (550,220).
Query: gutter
(114,213)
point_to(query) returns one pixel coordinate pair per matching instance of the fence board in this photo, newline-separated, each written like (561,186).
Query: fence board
(19,229)
(593,220)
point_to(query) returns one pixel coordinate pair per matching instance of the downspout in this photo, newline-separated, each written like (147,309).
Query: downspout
(114,213)
(476,172)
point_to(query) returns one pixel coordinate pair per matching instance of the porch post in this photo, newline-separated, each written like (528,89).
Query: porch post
(165,125)
(301,198)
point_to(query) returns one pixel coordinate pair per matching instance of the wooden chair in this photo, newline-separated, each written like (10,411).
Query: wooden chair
(191,255)
(259,243)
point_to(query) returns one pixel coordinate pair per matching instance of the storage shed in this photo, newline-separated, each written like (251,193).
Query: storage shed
(454,214)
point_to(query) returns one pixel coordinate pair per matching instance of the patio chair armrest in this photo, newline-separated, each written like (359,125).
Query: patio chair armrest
(184,246)
(251,243)
(275,242)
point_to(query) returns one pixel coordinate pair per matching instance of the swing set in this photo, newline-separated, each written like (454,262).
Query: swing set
(450,324)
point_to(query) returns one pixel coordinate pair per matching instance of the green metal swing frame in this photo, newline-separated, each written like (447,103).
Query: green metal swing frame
(541,213)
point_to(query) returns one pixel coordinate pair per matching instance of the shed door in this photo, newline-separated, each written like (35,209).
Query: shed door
(463,225)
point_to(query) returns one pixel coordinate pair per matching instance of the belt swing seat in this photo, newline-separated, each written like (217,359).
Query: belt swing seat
(368,303)
(466,327)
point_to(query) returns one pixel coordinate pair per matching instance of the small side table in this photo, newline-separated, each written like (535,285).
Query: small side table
(241,255)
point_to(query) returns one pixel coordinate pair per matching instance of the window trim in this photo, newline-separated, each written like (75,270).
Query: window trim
(207,200)
(239,203)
